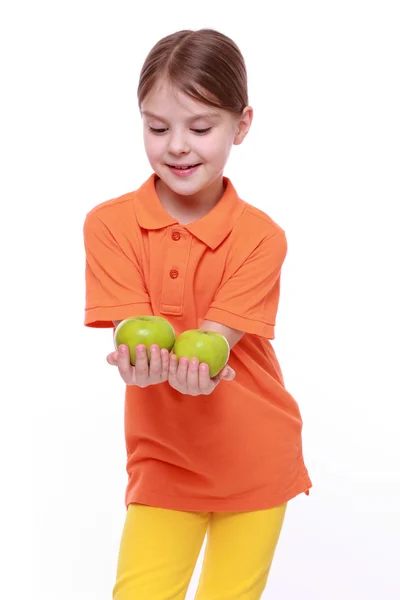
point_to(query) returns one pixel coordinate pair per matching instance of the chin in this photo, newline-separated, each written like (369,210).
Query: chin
(185,190)
(183,187)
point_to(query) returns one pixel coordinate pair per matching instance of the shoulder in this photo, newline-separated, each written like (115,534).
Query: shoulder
(256,239)
(112,208)
(113,224)
(256,228)
(257,220)
(115,215)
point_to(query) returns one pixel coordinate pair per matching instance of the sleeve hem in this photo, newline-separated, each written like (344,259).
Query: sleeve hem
(103,316)
(241,323)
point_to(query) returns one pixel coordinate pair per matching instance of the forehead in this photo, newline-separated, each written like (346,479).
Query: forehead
(167,100)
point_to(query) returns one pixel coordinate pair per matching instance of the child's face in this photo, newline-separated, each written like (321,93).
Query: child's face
(181,132)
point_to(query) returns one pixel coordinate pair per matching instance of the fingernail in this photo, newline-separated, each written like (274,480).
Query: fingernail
(122,349)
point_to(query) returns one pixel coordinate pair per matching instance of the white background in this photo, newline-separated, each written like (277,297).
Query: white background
(322,159)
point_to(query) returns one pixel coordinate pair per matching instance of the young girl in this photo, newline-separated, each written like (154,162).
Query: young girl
(221,456)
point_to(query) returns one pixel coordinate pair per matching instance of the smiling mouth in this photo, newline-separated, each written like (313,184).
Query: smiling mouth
(184,168)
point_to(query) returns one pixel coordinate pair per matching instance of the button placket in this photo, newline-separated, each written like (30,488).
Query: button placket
(174,272)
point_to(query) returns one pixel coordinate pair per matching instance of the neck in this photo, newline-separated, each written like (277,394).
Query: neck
(187,209)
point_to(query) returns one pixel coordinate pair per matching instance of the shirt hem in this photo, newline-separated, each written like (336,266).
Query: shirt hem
(243,504)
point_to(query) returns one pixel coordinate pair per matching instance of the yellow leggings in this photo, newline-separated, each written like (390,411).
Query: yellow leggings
(159,550)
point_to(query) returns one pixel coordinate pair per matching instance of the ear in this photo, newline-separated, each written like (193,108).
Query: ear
(243,125)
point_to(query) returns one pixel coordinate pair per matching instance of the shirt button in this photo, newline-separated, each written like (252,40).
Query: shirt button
(176,236)
(174,273)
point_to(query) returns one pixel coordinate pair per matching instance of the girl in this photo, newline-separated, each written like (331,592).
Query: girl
(221,456)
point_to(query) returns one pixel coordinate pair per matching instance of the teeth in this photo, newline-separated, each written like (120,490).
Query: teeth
(184,168)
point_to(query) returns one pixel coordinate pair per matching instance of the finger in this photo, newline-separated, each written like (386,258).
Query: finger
(193,376)
(173,368)
(181,374)
(112,358)
(141,366)
(155,363)
(124,364)
(205,383)
(228,374)
(164,364)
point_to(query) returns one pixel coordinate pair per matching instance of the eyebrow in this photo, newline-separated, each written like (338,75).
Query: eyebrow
(204,115)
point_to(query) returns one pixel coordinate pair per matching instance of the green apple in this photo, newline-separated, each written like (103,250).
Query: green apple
(147,330)
(208,346)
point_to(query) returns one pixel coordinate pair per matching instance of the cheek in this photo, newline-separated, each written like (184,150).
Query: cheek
(219,147)
(152,145)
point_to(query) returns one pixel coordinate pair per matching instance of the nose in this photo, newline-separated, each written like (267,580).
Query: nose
(178,143)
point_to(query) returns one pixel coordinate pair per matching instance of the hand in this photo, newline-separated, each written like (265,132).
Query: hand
(190,377)
(142,374)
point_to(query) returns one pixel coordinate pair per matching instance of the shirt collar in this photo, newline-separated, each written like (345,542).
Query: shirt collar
(211,229)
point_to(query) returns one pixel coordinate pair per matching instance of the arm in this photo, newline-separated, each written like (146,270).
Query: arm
(232,335)
(115,287)
(246,302)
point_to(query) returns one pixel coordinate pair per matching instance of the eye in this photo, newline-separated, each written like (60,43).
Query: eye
(202,131)
(158,131)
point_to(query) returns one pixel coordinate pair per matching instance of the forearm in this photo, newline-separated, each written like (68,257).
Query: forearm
(232,335)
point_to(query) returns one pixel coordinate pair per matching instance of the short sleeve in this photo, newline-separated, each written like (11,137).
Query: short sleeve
(115,289)
(248,299)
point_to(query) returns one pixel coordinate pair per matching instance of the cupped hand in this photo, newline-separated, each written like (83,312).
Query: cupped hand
(142,374)
(192,378)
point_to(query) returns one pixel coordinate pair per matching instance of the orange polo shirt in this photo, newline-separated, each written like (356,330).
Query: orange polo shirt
(240,448)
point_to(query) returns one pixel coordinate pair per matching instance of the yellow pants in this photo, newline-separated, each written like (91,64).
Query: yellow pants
(159,550)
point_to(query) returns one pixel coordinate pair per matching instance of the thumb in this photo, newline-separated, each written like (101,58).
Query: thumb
(112,358)
(228,374)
